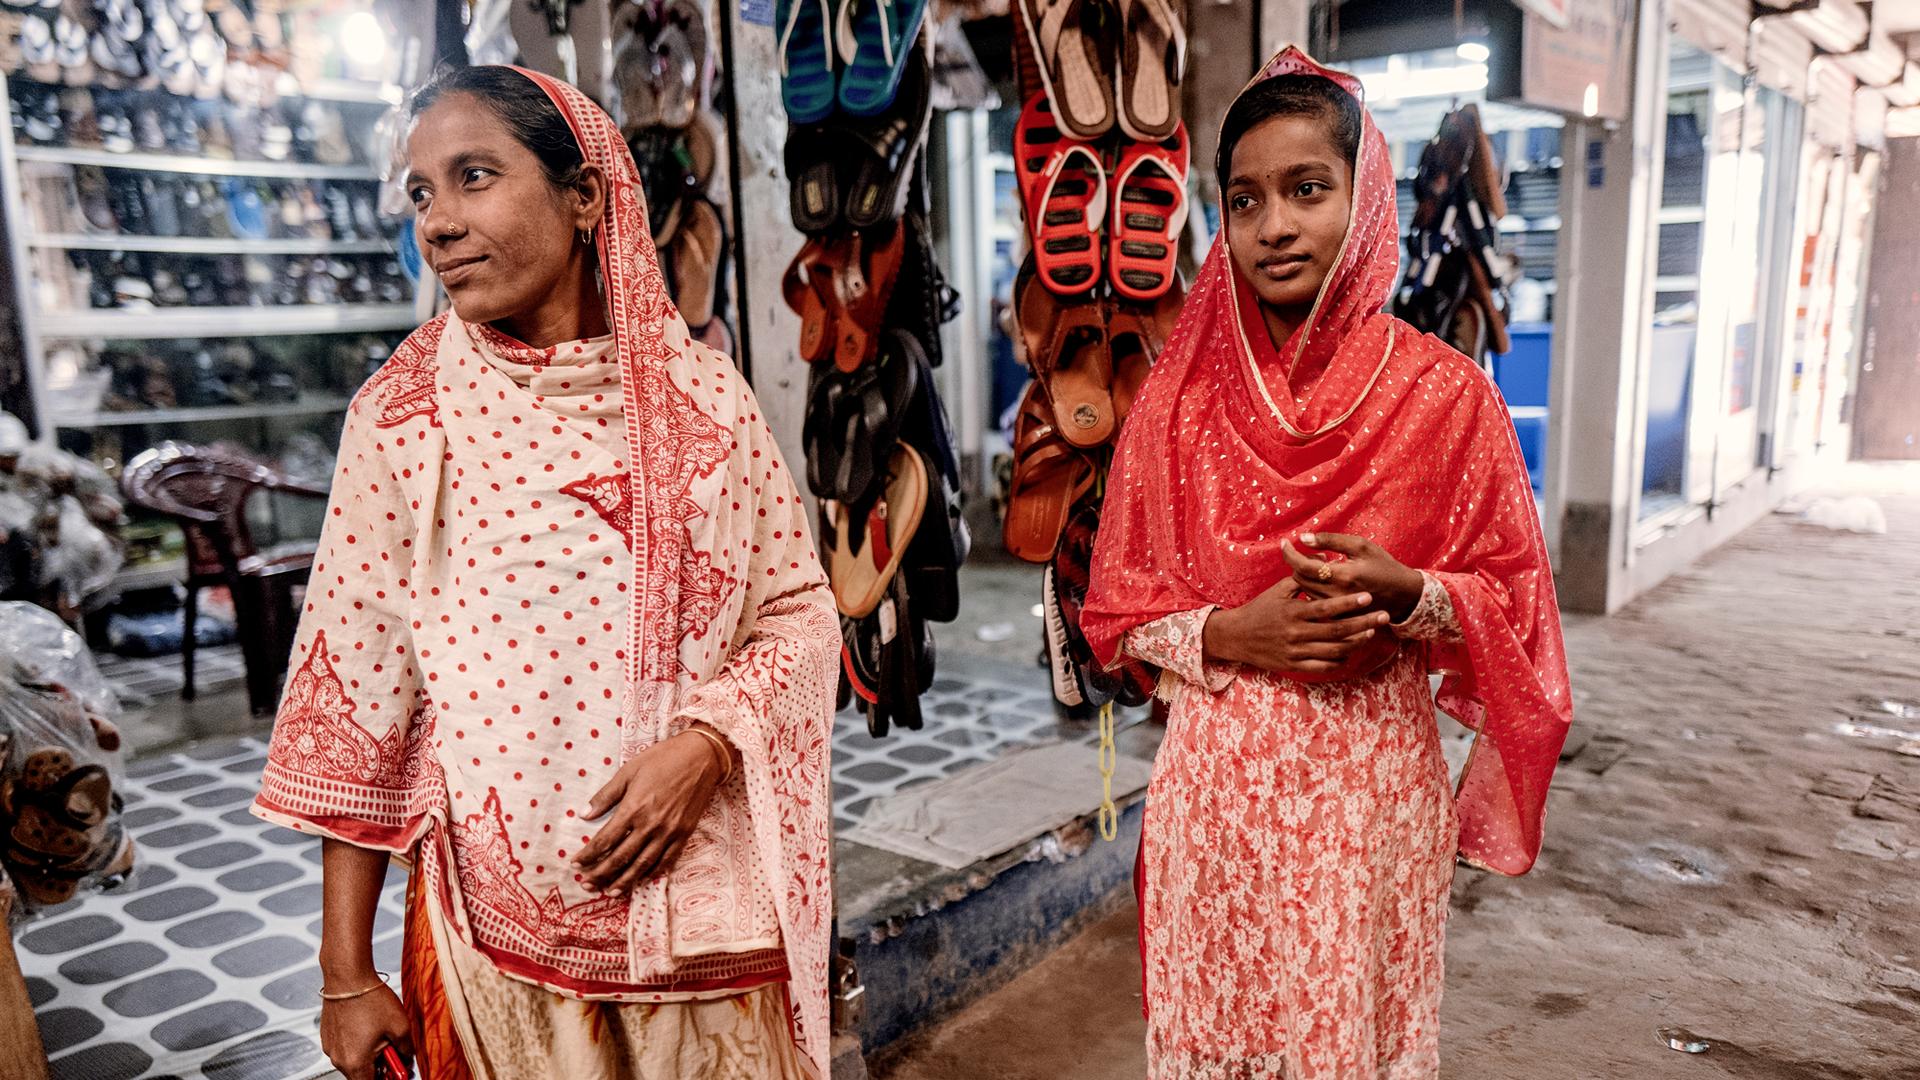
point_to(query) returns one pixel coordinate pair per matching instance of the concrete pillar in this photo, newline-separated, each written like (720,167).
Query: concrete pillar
(1597,397)
(763,233)
(1282,22)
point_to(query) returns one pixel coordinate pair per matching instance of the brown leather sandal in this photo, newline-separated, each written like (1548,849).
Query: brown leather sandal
(1049,476)
(1137,333)
(696,262)
(1066,347)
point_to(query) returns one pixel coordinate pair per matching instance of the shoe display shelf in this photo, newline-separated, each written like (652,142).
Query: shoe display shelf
(323,349)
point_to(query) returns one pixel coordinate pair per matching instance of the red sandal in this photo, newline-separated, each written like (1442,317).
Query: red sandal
(1063,188)
(1149,213)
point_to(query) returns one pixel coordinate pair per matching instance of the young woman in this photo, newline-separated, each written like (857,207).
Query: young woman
(566,645)
(1315,506)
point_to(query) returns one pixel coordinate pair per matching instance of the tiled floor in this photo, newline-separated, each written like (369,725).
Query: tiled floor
(207,966)
(977,710)
(214,667)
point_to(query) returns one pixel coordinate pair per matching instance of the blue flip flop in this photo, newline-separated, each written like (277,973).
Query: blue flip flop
(875,37)
(806,60)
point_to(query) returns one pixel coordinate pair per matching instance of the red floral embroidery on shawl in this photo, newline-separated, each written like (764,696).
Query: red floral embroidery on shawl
(316,734)
(403,388)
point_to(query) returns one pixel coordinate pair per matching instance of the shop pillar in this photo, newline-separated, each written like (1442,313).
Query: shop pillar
(1609,196)
(763,233)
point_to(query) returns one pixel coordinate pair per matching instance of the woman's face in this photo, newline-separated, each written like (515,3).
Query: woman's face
(501,238)
(1289,193)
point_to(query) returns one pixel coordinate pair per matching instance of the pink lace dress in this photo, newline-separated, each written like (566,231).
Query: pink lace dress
(1298,853)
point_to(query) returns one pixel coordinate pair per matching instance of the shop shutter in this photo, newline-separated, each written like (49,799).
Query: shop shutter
(1830,104)
(1718,27)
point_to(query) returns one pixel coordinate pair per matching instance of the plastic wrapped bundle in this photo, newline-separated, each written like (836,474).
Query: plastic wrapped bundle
(60,763)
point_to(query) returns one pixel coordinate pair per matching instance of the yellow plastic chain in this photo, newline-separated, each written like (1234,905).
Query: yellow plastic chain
(1109,757)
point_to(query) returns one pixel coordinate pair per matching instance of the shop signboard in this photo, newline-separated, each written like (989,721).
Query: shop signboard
(1581,66)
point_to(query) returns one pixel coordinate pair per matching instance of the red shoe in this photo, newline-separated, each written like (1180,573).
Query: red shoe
(1149,212)
(1063,188)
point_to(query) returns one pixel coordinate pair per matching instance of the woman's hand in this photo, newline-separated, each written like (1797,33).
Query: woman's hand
(655,801)
(1280,633)
(353,1031)
(1367,568)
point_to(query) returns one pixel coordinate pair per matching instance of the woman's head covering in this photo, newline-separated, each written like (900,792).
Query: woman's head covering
(669,437)
(1396,438)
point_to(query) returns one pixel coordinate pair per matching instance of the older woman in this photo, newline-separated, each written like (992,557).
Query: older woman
(1313,507)
(567,646)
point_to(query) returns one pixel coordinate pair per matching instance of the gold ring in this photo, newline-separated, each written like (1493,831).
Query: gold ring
(1325,573)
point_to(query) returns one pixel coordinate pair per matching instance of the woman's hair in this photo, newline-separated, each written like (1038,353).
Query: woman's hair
(1291,95)
(518,103)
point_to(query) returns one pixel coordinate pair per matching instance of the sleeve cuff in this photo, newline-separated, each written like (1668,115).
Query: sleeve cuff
(1433,618)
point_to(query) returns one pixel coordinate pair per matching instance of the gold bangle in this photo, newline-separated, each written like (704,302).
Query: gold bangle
(726,752)
(351,994)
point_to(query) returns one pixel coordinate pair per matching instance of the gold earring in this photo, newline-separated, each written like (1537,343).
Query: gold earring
(586,236)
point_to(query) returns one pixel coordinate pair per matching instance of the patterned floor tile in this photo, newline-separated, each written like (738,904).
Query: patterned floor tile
(205,965)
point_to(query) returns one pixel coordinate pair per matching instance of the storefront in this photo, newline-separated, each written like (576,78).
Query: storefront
(1743,210)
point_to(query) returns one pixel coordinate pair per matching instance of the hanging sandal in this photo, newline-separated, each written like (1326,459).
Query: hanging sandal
(853,419)
(1136,334)
(1066,347)
(1063,189)
(1149,212)
(1075,64)
(887,148)
(816,160)
(807,287)
(696,261)
(1129,682)
(683,64)
(808,82)
(876,39)
(1066,688)
(869,547)
(862,285)
(1049,476)
(1153,57)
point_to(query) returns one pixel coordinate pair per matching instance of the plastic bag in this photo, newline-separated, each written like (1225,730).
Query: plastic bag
(83,560)
(60,764)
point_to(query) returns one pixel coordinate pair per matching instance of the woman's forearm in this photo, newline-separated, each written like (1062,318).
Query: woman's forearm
(351,879)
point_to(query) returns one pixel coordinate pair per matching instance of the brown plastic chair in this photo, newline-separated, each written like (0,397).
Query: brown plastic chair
(205,489)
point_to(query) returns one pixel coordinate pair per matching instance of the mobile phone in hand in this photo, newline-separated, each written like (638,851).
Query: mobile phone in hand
(389,1065)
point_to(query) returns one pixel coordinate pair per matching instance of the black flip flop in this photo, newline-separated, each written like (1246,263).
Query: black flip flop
(889,146)
(854,418)
(817,173)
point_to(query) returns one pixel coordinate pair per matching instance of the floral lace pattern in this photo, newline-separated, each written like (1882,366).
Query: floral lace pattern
(1433,618)
(1298,852)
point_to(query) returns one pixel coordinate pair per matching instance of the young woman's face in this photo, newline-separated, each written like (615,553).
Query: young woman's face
(1289,192)
(500,237)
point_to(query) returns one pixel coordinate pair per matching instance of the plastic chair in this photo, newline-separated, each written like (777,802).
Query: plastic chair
(205,489)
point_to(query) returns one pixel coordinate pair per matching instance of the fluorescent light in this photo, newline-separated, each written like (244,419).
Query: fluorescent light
(1394,85)
(1473,52)
(364,41)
